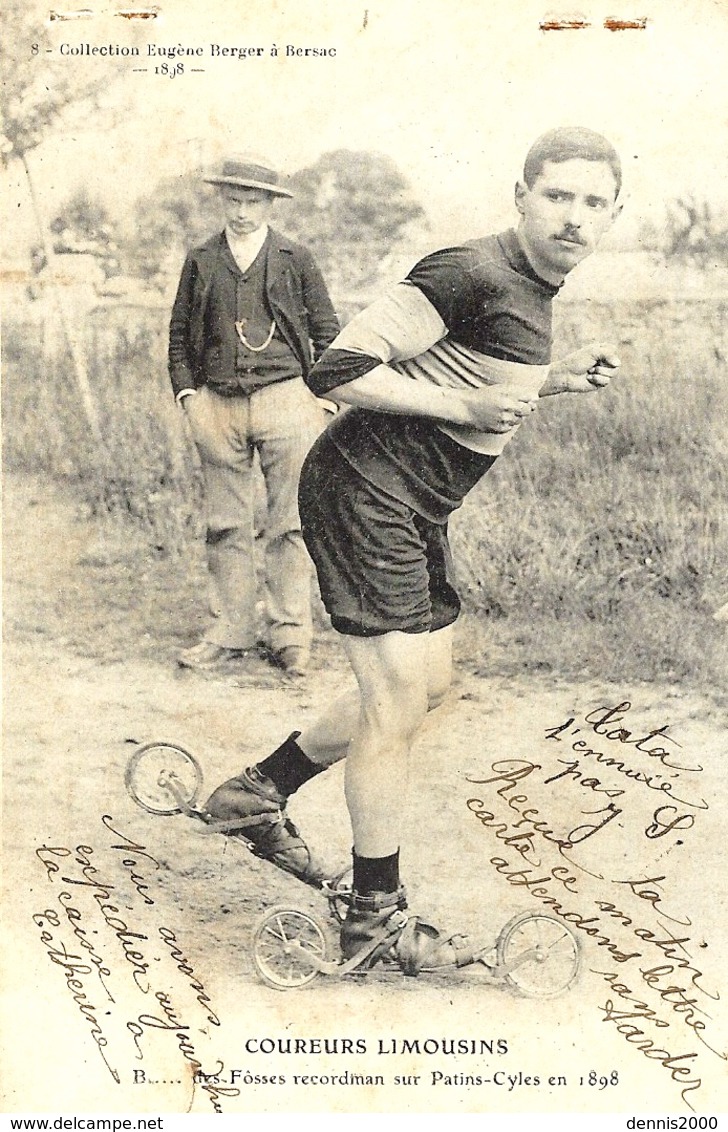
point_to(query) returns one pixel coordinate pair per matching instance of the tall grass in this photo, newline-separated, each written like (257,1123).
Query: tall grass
(602,533)
(146,473)
(597,544)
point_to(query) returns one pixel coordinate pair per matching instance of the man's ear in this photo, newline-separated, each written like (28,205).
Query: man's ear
(520,194)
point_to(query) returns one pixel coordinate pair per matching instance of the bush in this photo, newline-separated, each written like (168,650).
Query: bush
(598,544)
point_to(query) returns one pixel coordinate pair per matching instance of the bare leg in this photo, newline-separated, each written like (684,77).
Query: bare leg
(399,676)
(392,677)
(327,740)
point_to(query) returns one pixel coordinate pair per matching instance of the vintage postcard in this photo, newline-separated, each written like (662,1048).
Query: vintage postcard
(562,824)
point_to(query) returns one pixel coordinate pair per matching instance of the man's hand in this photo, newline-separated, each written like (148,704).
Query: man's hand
(491,408)
(586,370)
(494,409)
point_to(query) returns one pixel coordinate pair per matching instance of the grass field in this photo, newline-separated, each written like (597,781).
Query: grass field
(598,545)
(601,539)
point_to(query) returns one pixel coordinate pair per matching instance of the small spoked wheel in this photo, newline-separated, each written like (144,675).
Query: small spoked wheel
(163,778)
(540,954)
(285,942)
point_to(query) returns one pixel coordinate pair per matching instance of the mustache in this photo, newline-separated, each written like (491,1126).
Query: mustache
(573,237)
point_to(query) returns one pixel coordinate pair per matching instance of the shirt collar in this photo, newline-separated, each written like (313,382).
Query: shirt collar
(247,246)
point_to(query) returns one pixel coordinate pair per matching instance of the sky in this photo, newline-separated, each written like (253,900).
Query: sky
(454,92)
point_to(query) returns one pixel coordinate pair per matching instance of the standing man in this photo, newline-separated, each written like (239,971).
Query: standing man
(251,314)
(440,372)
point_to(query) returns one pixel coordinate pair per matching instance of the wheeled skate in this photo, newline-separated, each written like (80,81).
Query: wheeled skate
(536,954)
(164,778)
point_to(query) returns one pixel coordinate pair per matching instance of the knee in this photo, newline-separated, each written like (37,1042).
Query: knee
(437,695)
(438,688)
(283,523)
(395,718)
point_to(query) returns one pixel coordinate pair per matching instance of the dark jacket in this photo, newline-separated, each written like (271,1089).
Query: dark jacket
(296,293)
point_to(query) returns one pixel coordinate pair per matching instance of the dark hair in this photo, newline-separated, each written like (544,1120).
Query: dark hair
(566,143)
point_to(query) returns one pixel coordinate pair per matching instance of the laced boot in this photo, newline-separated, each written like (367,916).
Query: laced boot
(372,922)
(379,927)
(249,805)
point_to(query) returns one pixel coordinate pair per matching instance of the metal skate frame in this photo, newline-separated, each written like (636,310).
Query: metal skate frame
(534,953)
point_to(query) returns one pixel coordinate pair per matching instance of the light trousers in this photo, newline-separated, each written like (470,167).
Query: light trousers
(280,422)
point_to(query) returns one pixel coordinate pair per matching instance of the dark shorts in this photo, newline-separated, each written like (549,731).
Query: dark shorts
(381,567)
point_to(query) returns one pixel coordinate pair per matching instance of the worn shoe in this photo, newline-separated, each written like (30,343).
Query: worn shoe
(293,659)
(372,922)
(250,806)
(378,927)
(206,654)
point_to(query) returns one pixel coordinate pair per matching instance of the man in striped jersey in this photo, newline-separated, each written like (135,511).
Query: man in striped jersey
(436,377)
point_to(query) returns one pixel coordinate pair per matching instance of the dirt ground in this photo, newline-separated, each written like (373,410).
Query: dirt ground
(92,625)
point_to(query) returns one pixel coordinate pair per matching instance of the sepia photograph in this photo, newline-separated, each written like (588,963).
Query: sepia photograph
(365,559)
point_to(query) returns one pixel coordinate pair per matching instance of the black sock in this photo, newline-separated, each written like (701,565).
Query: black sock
(289,767)
(376,874)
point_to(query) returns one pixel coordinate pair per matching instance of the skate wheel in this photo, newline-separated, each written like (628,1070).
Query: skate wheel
(163,778)
(542,955)
(283,940)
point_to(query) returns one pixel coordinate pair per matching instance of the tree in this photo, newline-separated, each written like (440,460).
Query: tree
(692,233)
(352,207)
(179,213)
(36,93)
(83,224)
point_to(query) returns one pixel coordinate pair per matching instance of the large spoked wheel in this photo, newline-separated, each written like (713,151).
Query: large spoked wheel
(163,778)
(283,941)
(542,956)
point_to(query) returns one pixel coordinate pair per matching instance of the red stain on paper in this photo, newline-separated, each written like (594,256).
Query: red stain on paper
(612,24)
(574,24)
